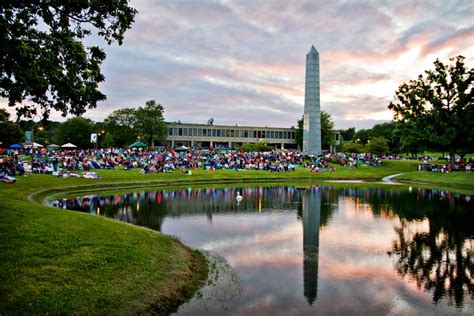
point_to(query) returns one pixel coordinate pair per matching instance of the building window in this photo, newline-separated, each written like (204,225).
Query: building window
(180,131)
(227,133)
(185,131)
(280,134)
(170,131)
(218,133)
(204,132)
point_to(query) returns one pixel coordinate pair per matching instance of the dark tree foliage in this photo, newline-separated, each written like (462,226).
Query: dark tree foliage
(150,122)
(362,136)
(347,134)
(440,103)
(10,132)
(387,131)
(45,135)
(299,133)
(76,130)
(327,130)
(121,127)
(42,56)
(378,145)
(411,137)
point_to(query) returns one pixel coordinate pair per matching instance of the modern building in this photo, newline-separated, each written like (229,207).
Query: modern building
(231,136)
(207,135)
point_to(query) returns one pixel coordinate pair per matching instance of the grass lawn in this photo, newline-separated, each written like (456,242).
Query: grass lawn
(57,261)
(453,179)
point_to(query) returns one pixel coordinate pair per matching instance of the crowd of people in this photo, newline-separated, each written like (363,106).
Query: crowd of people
(146,161)
(67,162)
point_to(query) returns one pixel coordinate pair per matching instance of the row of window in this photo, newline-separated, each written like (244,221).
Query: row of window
(210,132)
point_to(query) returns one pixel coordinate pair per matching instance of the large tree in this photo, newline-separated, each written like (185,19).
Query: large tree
(43,59)
(377,145)
(121,127)
(387,131)
(76,130)
(440,102)
(150,122)
(347,134)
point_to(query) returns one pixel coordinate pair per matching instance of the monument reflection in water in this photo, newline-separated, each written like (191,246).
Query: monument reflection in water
(373,250)
(311,221)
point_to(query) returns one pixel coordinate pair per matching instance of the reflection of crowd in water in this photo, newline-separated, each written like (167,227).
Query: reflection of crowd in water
(191,200)
(254,198)
(428,194)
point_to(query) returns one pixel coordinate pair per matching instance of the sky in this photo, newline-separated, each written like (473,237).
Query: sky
(243,62)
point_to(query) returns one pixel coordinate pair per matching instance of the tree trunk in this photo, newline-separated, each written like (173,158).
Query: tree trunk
(451,158)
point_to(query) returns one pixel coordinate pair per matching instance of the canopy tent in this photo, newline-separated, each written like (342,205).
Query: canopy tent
(221,148)
(15,146)
(182,148)
(138,144)
(35,144)
(53,146)
(68,145)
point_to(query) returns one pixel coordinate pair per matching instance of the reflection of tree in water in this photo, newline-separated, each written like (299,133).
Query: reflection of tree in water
(438,260)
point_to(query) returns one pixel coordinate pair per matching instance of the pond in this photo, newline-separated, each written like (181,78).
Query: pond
(340,249)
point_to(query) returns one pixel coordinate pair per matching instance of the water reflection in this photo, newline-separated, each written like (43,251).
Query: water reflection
(347,232)
(311,222)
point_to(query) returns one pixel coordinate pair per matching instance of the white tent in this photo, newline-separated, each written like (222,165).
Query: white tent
(53,146)
(35,144)
(182,148)
(68,145)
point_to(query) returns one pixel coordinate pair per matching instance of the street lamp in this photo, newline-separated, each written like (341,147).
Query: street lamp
(99,134)
(40,128)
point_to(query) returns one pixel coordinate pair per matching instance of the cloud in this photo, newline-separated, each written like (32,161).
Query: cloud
(243,62)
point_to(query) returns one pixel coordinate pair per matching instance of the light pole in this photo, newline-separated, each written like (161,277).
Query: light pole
(40,128)
(101,133)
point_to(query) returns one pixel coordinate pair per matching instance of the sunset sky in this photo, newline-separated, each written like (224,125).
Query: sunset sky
(243,62)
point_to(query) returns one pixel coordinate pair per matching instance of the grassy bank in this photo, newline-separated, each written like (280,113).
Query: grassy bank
(56,261)
(454,180)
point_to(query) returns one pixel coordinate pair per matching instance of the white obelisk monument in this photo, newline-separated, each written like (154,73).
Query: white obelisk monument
(312,106)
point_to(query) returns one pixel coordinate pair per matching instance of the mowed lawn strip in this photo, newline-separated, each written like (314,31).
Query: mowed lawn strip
(60,261)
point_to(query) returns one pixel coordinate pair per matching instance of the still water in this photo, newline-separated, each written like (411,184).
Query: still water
(335,249)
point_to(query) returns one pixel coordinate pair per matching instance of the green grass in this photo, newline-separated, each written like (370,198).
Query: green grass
(460,180)
(57,261)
